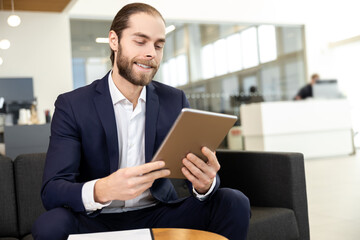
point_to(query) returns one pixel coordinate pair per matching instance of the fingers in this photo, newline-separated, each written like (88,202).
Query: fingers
(139,180)
(123,186)
(199,169)
(198,166)
(200,181)
(139,189)
(150,177)
(146,173)
(133,192)
(212,159)
(145,168)
(201,174)
(190,176)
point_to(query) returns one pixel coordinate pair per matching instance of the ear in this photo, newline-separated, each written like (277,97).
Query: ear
(113,41)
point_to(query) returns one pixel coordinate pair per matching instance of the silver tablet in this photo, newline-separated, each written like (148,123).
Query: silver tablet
(192,130)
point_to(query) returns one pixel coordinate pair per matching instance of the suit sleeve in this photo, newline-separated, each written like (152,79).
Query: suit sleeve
(60,188)
(185,101)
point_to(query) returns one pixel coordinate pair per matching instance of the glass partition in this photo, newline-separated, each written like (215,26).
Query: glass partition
(270,58)
(215,64)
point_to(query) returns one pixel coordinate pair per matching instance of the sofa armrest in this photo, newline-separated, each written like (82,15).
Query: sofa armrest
(8,219)
(269,179)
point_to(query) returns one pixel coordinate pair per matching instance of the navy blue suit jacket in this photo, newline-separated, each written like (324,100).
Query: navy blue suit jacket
(84,142)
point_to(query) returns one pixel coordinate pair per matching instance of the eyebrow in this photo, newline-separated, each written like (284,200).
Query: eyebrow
(139,34)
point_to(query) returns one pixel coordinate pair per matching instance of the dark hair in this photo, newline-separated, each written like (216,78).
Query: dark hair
(253,89)
(121,19)
(315,75)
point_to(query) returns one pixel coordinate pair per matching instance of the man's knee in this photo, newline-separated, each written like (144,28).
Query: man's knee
(233,201)
(55,224)
(230,213)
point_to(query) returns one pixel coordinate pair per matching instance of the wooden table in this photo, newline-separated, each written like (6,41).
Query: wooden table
(184,234)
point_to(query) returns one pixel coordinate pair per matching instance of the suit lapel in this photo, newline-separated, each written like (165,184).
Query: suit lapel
(105,109)
(151,117)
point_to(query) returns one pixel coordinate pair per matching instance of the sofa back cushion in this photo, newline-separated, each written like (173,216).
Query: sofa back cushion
(8,220)
(28,179)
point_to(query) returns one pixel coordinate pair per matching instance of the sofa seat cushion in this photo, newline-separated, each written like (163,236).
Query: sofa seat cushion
(28,237)
(265,220)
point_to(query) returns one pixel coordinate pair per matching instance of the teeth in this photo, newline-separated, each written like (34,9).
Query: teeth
(142,65)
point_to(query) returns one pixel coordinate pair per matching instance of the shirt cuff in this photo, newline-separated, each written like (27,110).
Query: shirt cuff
(203,197)
(87,195)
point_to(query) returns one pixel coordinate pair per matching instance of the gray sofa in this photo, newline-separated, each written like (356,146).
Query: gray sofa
(20,202)
(274,183)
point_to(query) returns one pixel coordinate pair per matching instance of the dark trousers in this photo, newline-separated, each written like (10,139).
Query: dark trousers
(226,213)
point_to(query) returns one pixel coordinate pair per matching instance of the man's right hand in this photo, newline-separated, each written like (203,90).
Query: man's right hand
(128,183)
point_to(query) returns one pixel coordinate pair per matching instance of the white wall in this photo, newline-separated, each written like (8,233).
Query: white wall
(41,49)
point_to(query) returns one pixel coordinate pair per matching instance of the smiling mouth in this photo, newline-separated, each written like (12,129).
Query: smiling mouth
(143,65)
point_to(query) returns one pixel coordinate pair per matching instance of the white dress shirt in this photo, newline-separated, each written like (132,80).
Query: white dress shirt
(130,125)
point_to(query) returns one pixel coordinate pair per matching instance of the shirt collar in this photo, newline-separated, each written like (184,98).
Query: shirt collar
(117,96)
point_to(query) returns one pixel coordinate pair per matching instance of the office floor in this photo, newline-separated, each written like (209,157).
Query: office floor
(333,190)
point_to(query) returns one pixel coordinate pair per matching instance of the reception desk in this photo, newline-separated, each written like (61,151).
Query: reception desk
(316,128)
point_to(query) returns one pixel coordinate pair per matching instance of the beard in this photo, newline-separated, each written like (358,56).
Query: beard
(125,67)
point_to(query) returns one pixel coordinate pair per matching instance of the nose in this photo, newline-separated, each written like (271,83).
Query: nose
(150,52)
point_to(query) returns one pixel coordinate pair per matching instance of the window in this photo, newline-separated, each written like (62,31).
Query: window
(294,75)
(271,84)
(175,71)
(172,72)
(227,59)
(79,75)
(165,73)
(248,82)
(249,47)
(291,39)
(95,68)
(207,61)
(234,57)
(267,43)
(182,70)
(220,57)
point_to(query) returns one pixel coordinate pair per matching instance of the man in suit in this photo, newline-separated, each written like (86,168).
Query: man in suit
(98,174)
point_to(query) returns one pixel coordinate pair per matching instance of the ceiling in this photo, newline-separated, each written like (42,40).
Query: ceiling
(35,5)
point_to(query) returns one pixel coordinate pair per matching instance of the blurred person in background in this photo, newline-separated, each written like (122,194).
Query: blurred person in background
(307,90)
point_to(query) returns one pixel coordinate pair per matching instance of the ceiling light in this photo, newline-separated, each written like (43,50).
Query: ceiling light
(169,29)
(4,44)
(13,20)
(102,40)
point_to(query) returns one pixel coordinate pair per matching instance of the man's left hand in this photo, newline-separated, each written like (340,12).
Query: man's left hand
(201,174)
